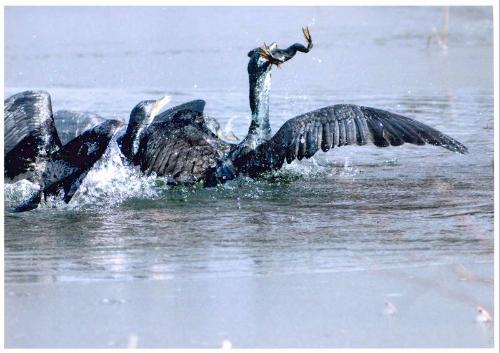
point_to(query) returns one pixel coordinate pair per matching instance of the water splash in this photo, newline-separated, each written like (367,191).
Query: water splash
(16,193)
(313,168)
(109,183)
(112,181)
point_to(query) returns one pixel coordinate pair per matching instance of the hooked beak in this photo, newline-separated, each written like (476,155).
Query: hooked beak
(266,51)
(159,104)
(277,56)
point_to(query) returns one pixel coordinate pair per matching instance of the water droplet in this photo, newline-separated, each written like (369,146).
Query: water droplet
(390,308)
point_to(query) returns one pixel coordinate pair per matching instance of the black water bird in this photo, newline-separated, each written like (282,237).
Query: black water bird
(185,146)
(179,144)
(33,149)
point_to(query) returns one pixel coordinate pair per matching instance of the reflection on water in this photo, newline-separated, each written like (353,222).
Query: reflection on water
(350,209)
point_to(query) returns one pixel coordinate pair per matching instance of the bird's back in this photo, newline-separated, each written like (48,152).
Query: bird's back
(179,146)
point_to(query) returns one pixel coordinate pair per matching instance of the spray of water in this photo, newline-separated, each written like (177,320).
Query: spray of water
(113,181)
(109,183)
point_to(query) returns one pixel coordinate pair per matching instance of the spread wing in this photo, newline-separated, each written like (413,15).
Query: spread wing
(70,165)
(70,124)
(29,132)
(67,168)
(192,108)
(335,126)
(179,145)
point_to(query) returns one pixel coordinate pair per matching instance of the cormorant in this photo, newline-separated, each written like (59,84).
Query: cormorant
(179,145)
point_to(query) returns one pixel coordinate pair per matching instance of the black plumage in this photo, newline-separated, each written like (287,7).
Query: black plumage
(336,126)
(33,150)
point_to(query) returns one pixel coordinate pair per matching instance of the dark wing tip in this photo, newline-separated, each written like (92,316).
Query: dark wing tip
(456,146)
(391,128)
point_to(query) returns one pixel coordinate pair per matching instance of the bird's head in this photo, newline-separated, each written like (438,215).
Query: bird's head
(140,116)
(145,111)
(264,57)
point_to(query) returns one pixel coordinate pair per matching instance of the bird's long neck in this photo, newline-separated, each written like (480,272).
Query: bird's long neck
(127,142)
(139,119)
(260,130)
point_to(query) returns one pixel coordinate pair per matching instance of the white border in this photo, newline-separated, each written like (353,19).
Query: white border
(253,2)
(496,161)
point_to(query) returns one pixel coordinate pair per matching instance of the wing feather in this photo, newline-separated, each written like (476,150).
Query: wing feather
(179,146)
(335,126)
(29,132)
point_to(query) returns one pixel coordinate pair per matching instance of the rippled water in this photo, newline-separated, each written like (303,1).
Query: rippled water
(350,209)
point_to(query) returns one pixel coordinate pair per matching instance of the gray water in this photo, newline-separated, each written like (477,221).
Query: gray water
(353,208)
